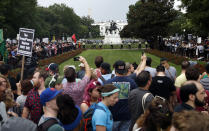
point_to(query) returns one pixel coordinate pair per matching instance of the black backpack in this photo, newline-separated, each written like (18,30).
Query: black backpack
(45,126)
(87,117)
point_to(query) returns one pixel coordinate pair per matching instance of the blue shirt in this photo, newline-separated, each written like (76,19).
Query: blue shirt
(102,118)
(106,77)
(120,110)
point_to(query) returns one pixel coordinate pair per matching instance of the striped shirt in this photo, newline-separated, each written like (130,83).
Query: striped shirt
(76,89)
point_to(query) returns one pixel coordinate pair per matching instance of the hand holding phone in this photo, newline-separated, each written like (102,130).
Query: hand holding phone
(76,58)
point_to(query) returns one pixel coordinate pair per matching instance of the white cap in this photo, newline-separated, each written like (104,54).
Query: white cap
(81,65)
(72,66)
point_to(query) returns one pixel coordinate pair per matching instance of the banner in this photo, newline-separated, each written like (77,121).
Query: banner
(1,36)
(74,38)
(25,45)
(69,39)
(45,40)
(199,40)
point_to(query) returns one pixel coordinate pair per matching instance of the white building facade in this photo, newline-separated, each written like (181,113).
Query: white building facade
(103,26)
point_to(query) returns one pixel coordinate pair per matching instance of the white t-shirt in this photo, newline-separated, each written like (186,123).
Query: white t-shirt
(3,111)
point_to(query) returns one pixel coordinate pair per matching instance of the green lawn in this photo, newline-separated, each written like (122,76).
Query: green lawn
(111,56)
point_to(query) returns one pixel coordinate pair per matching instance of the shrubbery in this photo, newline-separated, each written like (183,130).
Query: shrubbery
(171,57)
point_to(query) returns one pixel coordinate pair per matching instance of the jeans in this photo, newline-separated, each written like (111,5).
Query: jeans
(121,125)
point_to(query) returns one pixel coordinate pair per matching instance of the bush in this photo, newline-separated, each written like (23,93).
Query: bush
(171,57)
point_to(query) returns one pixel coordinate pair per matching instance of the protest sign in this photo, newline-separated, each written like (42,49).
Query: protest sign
(25,45)
(199,40)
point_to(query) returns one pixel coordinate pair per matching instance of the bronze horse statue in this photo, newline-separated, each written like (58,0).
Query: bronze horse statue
(113,27)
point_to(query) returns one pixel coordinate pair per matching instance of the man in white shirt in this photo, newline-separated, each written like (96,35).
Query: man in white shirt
(148,67)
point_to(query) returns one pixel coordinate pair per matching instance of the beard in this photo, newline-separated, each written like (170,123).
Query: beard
(199,103)
(37,84)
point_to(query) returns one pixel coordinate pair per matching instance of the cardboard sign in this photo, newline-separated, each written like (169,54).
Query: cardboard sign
(25,45)
(199,40)
(45,40)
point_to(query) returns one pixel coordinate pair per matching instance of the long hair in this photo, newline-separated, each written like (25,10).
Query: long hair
(158,115)
(90,87)
(9,101)
(67,112)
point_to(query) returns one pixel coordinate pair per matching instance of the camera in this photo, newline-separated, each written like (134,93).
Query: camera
(76,58)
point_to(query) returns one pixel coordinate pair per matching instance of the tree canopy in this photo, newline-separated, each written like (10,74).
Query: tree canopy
(149,19)
(58,19)
(198,13)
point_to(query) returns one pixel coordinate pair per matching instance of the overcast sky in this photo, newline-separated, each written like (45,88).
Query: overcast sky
(99,10)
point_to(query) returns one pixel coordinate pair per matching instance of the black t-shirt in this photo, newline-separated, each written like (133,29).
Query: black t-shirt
(162,86)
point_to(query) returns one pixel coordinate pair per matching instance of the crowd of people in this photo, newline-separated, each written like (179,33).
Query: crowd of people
(40,51)
(130,97)
(190,49)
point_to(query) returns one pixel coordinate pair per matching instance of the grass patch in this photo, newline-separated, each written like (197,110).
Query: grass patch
(111,56)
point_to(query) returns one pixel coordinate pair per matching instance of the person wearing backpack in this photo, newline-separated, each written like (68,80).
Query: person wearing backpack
(139,98)
(49,121)
(102,119)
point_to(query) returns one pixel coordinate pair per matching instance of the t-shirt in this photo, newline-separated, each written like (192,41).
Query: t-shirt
(106,77)
(135,103)
(80,74)
(120,110)
(21,100)
(183,106)
(180,80)
(76,89)
(55,127)
(3,111)
(171,73)
(162,86)
(151,70)
(102,118)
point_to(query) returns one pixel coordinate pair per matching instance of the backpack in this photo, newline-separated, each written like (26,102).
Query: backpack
(144,100)
(44,126)
(87,117)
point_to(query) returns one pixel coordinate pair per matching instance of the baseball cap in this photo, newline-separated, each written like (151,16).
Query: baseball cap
(106,67)
(53,67)
(120,67)
(49,94)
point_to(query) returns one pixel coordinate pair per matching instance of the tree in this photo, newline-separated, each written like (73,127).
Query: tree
(86,23)
(181,25)
(148,20)
(198,12)
(16,14)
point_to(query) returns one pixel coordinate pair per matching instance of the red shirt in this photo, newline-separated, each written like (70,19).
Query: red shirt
(33,103)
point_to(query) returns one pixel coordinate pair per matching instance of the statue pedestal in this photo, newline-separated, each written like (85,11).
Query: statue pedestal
(112,39)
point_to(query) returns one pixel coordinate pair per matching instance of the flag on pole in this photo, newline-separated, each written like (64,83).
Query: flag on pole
(1,36)
(74,38)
